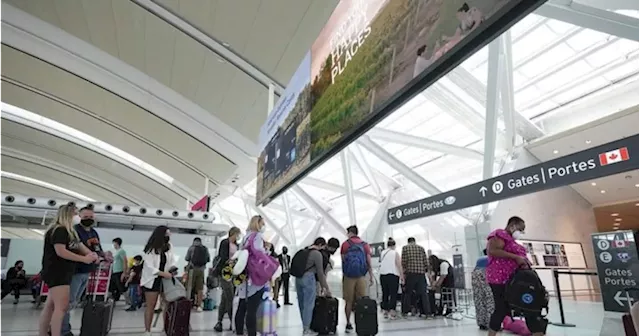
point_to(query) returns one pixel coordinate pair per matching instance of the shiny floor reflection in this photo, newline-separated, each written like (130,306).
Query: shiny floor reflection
(21,320)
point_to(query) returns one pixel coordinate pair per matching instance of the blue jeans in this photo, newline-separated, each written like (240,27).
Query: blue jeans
(306,290)
(134,295)
(78,287)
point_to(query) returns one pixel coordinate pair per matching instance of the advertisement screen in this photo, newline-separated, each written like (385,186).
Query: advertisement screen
(370,58)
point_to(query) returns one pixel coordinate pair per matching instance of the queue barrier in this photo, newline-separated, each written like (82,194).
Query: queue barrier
(556,278)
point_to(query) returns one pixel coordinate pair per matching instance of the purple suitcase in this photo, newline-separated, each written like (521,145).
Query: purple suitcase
(176,318)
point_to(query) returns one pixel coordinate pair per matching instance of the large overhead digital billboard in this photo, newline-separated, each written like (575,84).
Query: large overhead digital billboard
(370,58)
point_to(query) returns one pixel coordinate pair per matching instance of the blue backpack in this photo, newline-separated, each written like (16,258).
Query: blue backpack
(354,264)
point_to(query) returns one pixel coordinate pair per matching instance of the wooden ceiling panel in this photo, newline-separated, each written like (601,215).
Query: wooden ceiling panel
(624,214)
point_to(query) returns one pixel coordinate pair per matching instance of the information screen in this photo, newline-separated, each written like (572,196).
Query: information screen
(370,58)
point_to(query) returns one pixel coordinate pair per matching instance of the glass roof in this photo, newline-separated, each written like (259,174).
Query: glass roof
(554,64)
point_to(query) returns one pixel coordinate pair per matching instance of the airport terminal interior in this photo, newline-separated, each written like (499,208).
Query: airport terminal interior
(199,115)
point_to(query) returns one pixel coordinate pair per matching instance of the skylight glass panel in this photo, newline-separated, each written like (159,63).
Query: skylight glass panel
(616,49)
(548,60)
(532,43)
(582,89)
(540,108)
(559,27)
(623,71)
(47,185)
(564,76)
(585,39)
(526,24)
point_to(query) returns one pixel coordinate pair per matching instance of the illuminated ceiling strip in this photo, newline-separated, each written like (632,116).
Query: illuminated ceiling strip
(54,128)
(26,157)
(47,185)
(31,35)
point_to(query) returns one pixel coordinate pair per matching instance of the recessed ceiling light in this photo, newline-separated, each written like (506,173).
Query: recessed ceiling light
(226,44)
(603,191)
(615,214)
(593,184)
(637,204)
(636,185)
(587,141)
(555,151)
(220,60)
(618,219)
(616,224)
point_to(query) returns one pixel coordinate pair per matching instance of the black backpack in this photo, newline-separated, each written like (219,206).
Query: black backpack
(199,256)
(525,293)
(299,263)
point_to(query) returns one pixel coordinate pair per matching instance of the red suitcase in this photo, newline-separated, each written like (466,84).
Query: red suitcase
(176,318)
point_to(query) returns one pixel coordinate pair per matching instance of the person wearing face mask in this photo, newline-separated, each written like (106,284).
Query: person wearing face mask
(83,225)
(250,295)
(505,257)
(285,262)
(119,271)
(157,263)
(228,247)
(15,281)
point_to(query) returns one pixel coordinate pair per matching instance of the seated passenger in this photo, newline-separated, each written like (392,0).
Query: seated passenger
(15,281)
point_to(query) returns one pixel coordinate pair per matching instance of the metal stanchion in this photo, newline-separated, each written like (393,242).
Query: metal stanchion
(556,276)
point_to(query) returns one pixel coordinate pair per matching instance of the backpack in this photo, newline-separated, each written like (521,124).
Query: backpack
(354,264)
(199,256)
(299,263)
(525,292)
(260,266)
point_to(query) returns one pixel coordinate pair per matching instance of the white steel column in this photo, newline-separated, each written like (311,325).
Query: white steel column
(206,186)
(287,212)
(491,123)
(348,183)
(506,89)
(356,154)
(317,208)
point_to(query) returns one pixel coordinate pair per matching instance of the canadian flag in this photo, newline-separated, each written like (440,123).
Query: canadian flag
(614,156)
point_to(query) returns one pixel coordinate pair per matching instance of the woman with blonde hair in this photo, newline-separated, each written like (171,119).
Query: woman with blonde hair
(62,250)
(250,294)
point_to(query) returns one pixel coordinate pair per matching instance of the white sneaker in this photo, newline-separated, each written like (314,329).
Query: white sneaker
(148,333)
(199,310)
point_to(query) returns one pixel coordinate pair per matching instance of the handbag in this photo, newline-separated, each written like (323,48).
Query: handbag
(173,290)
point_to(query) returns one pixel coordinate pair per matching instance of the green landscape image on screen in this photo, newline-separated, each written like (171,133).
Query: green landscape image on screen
(384,63)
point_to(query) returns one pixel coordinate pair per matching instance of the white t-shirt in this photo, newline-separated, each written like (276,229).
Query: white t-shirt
(421,64)
(388,262)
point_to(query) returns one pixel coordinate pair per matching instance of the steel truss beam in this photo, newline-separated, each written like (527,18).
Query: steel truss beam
(287,212)
(312,203)
(356,155)
(592,18)
(403,169)
(335,188)
(348,182)
(423,143)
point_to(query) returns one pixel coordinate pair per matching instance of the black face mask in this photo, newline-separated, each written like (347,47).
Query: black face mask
(87,222)
(166,239)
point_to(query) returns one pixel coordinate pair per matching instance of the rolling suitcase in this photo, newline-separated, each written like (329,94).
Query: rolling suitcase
(267,318)
(97,315)
(325,315)
(176,318)
(366,312)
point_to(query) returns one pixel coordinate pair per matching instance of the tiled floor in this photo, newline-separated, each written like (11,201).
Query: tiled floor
(21,320)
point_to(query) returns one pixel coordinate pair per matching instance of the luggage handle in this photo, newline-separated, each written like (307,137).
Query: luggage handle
(96,282)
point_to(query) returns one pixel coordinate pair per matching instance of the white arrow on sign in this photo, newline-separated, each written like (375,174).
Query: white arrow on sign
(483,190)
(619,298)
(391,215)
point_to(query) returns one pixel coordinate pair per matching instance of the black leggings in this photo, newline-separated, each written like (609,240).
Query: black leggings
(248,309)
(389,283)
(502,309)
(13,286)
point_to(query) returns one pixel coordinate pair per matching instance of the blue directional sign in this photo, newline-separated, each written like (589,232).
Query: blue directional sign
(609,159)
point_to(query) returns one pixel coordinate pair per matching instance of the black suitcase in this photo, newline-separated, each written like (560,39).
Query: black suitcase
(366,317)
(325,315)
(97,315)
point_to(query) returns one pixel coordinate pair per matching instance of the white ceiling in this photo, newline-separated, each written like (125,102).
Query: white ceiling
(272,37)
(617,188)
